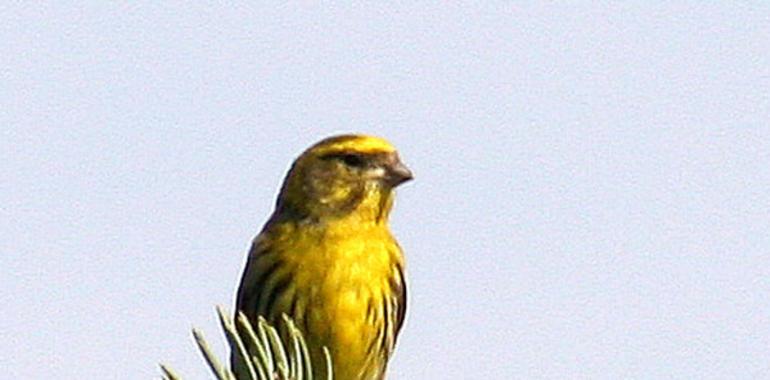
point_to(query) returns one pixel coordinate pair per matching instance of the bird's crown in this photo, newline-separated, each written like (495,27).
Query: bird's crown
(361,144)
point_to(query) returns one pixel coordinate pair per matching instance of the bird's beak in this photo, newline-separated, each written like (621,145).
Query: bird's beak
(396,172)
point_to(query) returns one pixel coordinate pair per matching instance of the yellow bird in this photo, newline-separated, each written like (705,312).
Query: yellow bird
(327,258)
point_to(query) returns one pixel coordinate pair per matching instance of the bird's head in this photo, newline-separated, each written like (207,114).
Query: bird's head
(344,175)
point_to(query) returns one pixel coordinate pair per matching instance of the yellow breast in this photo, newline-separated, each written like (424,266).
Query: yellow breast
(347,282)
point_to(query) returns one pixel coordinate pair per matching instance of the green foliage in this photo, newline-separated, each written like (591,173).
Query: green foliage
(265,355)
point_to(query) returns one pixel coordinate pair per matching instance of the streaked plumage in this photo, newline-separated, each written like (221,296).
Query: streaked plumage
(326,256)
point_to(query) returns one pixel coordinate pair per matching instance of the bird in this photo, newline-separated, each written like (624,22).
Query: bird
(327,259)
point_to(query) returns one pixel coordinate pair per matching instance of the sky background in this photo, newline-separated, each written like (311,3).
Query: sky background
(592,193)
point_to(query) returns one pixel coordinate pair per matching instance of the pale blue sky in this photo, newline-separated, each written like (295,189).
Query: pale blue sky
(592,196)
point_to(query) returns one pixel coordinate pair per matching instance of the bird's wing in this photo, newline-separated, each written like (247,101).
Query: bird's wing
(400,300)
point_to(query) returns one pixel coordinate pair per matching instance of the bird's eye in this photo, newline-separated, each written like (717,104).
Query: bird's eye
(352,160)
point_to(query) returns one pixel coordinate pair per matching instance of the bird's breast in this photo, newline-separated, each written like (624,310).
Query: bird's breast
(348,283)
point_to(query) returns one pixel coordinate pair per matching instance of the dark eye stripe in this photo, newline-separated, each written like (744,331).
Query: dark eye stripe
(353,160)
(350,159)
